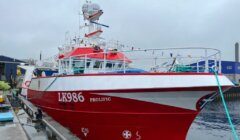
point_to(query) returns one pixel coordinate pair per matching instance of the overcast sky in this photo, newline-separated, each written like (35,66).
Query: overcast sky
(29,26)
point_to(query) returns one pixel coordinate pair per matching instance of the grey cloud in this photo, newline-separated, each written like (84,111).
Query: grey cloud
(30,26)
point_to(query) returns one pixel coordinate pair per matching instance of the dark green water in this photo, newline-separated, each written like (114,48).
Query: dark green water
(212,122)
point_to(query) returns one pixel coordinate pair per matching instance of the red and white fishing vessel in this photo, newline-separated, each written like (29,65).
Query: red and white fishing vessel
(101,92)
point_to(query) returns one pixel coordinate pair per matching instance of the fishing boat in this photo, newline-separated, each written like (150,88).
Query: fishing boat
(103,92)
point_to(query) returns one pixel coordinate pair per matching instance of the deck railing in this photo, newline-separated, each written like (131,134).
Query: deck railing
(153,60)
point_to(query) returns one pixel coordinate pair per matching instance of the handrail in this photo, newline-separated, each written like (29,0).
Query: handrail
(210,54)
(144,50)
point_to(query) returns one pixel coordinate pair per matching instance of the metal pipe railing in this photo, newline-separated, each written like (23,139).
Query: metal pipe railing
(153,55)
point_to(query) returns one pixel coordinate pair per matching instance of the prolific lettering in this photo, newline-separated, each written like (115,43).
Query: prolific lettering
(100,99)
(68,97)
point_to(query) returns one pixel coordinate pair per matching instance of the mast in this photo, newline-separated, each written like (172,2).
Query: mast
(91,13)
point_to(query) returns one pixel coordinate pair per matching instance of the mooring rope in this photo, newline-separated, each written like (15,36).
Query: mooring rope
(50,84)
(225,106)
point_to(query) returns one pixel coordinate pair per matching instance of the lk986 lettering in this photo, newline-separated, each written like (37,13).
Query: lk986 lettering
(67,97)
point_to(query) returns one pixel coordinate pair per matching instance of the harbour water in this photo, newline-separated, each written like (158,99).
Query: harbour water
(212,122)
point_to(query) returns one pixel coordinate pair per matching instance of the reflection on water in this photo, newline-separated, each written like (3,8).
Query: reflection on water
(212,123)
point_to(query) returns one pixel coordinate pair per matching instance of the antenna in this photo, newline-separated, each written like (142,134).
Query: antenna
(79,22)
(66,37)
(40,56)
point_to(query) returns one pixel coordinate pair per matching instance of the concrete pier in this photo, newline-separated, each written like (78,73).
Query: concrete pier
(232,94)
(15,130)
(56,130)
(12,130)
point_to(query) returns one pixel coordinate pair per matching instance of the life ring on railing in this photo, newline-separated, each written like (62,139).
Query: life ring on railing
(27,83)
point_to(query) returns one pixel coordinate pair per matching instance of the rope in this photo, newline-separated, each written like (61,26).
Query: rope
(225,106)
(51,83)
(55,80)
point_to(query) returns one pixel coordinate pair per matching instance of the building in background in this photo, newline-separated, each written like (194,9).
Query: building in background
(232,68)
(8,68)
(229,68)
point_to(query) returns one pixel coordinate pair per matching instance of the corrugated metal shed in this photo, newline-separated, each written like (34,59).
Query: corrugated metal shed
(8,68)
(228,67)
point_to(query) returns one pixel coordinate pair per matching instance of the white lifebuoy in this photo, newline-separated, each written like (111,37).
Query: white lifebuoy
(27,83)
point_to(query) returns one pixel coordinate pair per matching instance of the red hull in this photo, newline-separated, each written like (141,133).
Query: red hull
(118,119)
(111,126)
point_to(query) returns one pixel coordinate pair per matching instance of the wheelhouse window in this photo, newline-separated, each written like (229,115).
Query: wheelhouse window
(88,64)
(109,65)
(97,64)
(120,65)
(79,63)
